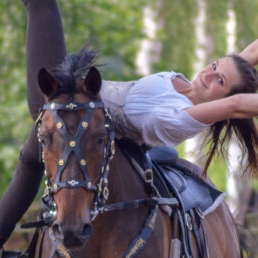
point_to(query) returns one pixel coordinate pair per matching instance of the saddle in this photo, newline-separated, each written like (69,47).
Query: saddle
(195,196)
(193,191)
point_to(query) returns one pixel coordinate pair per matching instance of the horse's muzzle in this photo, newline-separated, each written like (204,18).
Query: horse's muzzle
(72,237)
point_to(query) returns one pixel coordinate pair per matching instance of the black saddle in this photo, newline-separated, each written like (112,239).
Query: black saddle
(192,190)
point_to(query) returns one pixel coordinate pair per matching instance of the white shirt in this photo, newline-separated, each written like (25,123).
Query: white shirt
(156,109)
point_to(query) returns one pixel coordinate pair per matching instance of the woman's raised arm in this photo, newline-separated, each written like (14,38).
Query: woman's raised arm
(250,53)
(236,106)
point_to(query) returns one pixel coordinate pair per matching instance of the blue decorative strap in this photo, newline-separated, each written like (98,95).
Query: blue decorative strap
(139,242)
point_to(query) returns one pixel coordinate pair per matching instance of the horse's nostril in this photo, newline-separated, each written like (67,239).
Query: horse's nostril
(56,231)
(80,234)
(86,231)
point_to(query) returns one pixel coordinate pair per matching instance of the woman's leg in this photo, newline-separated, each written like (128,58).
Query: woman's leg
(45,48)
(45,45)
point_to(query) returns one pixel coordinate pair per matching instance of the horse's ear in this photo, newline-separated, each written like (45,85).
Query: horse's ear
(92,82)
(47,82)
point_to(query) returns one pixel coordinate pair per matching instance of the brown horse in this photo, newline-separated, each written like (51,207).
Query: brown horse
(95,204)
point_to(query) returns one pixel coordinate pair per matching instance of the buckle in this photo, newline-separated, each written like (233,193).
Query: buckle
(148,175)
(189,221)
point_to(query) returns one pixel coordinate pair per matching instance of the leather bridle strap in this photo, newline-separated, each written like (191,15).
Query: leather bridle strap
(139,203)
(140,241)
(72,143)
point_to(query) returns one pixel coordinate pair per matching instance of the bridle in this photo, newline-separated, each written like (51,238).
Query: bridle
(100,188)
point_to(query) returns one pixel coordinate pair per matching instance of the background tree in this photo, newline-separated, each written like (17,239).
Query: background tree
(117,29)
(14,122)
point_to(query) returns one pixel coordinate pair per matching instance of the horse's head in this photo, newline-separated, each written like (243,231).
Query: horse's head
(76,137)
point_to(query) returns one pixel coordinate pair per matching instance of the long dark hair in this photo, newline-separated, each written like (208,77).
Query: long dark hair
(220,133)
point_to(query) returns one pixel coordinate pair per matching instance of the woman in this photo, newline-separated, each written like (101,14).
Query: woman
(163,108)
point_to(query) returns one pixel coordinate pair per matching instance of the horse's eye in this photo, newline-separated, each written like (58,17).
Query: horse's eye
(101,139)
(41,139)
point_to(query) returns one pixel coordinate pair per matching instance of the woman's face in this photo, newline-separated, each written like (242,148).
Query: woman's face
(216,80)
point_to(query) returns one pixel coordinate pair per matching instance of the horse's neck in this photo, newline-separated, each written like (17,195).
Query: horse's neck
(124,182)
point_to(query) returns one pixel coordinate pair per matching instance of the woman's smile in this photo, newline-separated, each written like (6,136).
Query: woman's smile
(203,81)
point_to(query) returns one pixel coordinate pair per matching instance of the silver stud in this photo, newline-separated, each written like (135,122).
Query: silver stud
(59,125)
(72,143)
(55,186)
(84,124)
(83,162)
(92,104)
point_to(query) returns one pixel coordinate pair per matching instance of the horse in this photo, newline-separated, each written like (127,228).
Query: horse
(95,203)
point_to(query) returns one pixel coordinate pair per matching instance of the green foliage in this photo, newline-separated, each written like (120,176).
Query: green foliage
(115,29)
(217,17)
(15,122)
(177,36)
(247,20)
(112,27)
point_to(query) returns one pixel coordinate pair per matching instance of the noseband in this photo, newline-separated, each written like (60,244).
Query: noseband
(73,146)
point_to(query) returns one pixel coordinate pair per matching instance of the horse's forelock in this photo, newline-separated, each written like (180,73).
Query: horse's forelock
(74,66)
(77,64)
(66,84)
